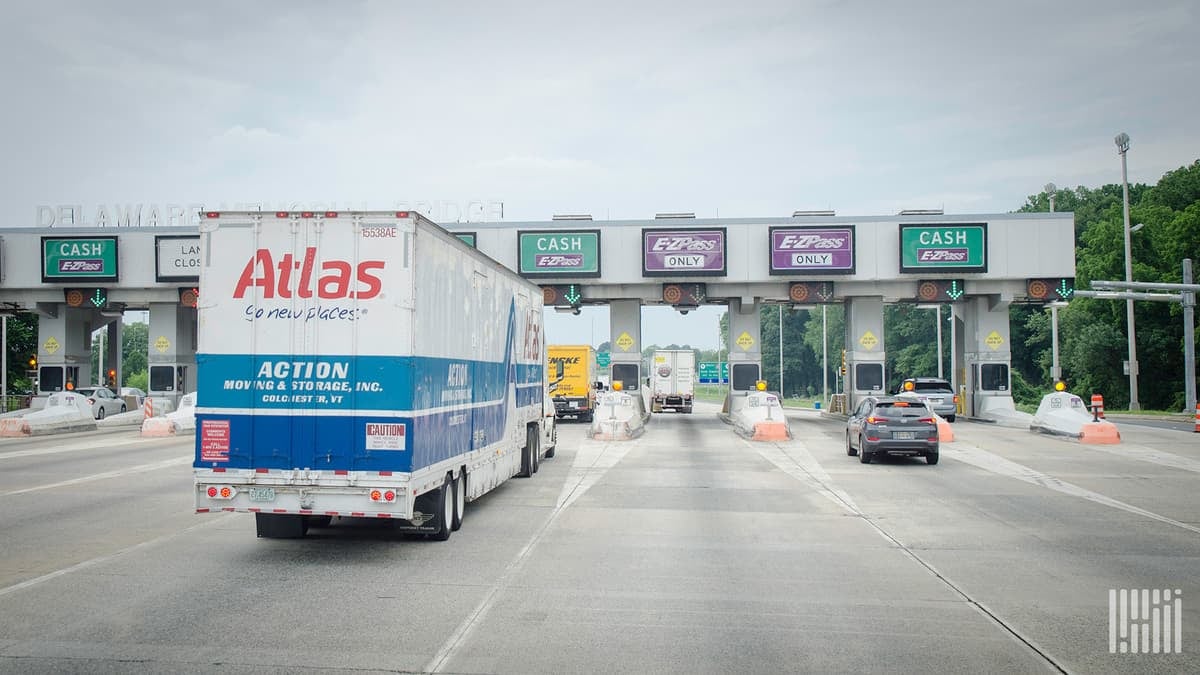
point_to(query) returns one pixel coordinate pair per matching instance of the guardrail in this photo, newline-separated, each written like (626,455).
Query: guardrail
(11,402)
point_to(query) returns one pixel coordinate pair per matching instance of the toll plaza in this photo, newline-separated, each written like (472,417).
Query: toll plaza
(79,280)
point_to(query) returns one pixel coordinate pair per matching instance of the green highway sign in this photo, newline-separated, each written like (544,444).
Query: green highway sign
(79,258)
(708,372)
(952,247)
(603,359)
(558,253)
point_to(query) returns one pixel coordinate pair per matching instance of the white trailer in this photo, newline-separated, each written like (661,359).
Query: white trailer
(360,365)
(673,380)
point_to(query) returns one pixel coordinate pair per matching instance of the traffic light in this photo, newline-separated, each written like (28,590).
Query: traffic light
(689,295)
(941,290)
(112,377)
(562,295)
(33,363)
(810,292)
(189,297)
(95,298)
(1050,290)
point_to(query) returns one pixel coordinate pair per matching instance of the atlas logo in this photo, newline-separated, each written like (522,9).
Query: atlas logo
(299,278)
(683,243)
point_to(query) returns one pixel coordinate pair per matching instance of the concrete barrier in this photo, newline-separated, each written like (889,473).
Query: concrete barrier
(1065,414)
(1002,411)
(185,418)
(620,416)
(64,412)
(130,418)
(758,415)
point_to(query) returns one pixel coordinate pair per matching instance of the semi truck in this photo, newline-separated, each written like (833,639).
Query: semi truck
(360,365)
(574,390)
(672,380)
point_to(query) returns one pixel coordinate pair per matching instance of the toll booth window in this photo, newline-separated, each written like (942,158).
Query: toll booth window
(162,378)
(993,377)
(627,374)
(745,376)
(868,377)
(50,378)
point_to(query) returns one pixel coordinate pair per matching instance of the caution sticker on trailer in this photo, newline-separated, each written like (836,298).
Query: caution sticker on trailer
(214,441)
(385,436)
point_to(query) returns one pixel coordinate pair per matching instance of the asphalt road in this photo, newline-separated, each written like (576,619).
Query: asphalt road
(689,550)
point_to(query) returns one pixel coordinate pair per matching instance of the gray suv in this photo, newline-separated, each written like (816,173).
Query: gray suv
(935,393)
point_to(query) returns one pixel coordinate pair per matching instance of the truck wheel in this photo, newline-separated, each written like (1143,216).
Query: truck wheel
(553,444)
(460,500)
(444,500)
(535,450)
(588,417)
(531,435)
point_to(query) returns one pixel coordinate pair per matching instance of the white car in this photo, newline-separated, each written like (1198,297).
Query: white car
(102,400)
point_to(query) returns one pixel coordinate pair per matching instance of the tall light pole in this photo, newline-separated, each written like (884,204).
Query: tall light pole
(1122,141)
(938,323)
(781,394)
(1050,189)
(1055,370)
(824,360)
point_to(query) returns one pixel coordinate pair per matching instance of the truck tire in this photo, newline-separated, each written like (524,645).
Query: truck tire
(460,500)
(529,452)
(444,502)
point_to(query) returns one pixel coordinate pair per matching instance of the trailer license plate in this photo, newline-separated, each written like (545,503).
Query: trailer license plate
(262,494)
(902,435)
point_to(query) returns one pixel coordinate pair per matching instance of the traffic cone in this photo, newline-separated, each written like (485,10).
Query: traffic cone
(1098,405)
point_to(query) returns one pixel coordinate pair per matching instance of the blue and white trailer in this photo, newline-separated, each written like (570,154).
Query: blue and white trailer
(360,365)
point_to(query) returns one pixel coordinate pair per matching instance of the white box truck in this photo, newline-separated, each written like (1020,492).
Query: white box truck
(360,365)
(673,379)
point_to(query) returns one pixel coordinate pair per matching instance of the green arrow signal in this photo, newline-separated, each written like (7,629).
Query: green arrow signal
(954,291)
(1064,291)
(99,299)
(573,295)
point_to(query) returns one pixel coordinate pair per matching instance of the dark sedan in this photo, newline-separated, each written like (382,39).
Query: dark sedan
(891,426)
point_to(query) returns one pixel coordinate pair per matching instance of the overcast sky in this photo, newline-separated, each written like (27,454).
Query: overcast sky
(616,109)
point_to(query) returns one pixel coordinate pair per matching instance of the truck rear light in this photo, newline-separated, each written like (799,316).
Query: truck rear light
(221,492)
(281,214)
(331,214)
(212,214)
(402,214)
(386,496)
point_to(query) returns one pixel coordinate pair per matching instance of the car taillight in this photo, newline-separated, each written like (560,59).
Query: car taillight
(91,401)
(926,420)
(956,399)
(874,420)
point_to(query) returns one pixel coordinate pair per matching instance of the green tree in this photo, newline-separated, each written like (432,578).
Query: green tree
(22,346)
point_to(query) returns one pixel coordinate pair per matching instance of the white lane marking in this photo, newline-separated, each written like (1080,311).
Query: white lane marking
(987,461)
(105,558)
(143,468)
(592,460)
(794,459)
(79,447)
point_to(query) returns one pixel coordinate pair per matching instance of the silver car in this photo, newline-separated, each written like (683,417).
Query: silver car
(103,401)
(935,393)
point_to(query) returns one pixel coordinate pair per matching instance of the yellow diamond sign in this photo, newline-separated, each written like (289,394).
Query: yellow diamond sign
(745,341)
(50,345)
(624,341)
(162,344)
(993,340)
(868,340)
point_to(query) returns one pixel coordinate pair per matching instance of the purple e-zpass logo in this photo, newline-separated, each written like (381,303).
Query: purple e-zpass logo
(558,260)
(814,250)
(682,242)
(81,265)
(690,252)
(942,254)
